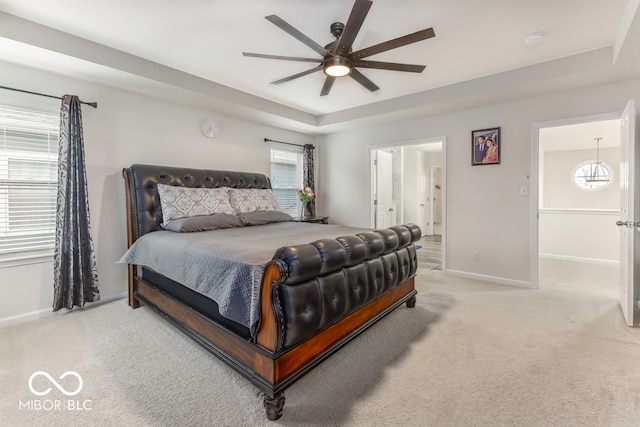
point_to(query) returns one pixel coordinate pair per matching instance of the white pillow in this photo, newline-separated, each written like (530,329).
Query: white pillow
(182,202)
(252,200)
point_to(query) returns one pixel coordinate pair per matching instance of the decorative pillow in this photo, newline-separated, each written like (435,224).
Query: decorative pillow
(202,223)
(182,202)
(263,217)
(252,200)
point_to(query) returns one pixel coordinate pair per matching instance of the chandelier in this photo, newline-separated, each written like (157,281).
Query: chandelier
(597,173)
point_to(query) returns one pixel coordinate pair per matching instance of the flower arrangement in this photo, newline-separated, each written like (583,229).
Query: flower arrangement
(306,195)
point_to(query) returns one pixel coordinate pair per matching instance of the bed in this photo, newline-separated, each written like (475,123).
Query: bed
(272,313)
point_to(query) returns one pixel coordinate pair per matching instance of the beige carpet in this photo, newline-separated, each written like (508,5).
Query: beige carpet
(469,354)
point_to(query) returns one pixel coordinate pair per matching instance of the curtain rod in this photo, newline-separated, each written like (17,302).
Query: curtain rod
(282,142)
(91,104)
(287,143)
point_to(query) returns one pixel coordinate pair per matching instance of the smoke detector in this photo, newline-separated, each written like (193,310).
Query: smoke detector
(533,38)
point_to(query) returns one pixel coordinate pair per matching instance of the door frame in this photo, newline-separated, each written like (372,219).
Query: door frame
(400,144)
(534,178)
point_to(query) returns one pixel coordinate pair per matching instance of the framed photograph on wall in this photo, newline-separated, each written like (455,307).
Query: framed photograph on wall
(485,147)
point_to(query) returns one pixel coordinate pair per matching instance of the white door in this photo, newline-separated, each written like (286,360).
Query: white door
(423,196)
(385,209)
(436,206)
(629,198)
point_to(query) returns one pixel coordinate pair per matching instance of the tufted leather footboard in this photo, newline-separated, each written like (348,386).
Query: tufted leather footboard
(328,279)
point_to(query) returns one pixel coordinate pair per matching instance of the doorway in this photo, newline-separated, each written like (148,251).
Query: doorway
(575,233)
(408,185)
(580,208)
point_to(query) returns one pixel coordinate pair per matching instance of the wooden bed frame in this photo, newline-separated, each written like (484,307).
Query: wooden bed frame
(264,360)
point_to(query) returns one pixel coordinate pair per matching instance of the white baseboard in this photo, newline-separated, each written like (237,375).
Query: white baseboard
(47,312)
(580,259)
(490,279)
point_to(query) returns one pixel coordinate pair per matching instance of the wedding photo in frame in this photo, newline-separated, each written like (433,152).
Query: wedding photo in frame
(485,147)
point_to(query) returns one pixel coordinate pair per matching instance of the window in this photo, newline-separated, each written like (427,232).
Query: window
(28,182)
(286,179)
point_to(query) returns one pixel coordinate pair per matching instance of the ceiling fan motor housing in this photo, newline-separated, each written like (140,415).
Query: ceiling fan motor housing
(336,29)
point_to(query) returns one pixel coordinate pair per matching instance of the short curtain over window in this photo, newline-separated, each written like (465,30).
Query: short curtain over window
(28,182)
(286,179)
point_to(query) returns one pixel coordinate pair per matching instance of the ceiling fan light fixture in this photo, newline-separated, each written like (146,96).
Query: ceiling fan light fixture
(337,66)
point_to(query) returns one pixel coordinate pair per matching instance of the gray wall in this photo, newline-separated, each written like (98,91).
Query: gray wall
(485,211)
(126,128)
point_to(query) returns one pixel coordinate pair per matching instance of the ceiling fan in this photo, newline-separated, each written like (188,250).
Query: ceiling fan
(338,58)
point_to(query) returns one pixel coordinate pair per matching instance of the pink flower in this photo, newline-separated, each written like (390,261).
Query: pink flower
(306,195)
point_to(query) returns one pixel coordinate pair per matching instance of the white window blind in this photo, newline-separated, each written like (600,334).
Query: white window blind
(28,182)
(286,179)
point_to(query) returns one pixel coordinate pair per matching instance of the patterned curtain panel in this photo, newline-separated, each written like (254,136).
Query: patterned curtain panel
(308,172)
(75,272)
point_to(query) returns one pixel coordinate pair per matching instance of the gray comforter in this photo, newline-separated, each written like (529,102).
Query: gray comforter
(225,265)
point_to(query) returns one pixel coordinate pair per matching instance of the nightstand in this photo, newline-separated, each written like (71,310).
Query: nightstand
(315,219)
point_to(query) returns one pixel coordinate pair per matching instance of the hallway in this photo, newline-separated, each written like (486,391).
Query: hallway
(430,252)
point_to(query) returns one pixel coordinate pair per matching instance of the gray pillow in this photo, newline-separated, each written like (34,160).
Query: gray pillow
(202,223)
(252,200)
(264,217)
(181,202)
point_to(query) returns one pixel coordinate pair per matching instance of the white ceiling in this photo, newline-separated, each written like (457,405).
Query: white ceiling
(193,50)
(581,136)
(429,148)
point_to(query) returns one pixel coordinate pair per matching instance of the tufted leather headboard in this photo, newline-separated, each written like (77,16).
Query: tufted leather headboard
(143,202)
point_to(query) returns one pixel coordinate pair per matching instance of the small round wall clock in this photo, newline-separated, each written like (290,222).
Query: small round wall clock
(210,129)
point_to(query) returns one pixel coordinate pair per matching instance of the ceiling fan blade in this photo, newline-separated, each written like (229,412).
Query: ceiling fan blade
(328,84)
(295,76)
(288,28)
(393,66)
(360,78)
(351,29)
(286,58)
(394,43)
